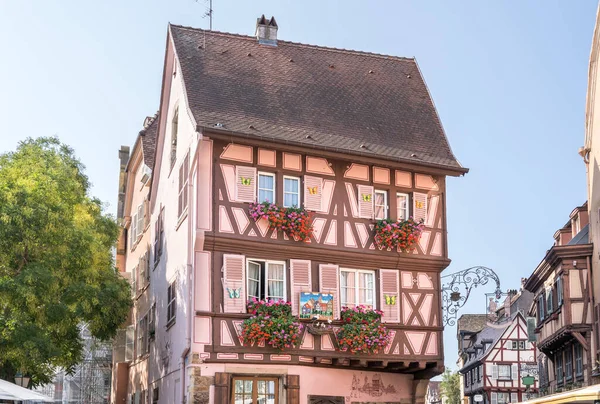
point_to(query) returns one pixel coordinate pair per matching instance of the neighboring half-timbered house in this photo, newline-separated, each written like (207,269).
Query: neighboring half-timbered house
(352,137)
(496,358)
(564,309)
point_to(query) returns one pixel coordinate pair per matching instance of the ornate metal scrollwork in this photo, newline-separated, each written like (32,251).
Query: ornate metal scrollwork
(465,280)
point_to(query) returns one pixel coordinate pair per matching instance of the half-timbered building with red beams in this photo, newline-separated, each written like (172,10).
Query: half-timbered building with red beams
(351,137)
(563,306)
(495,359)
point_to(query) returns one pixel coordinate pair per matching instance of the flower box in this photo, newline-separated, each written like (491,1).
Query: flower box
(362,331)
(402,235)
(295,222)
(272,323)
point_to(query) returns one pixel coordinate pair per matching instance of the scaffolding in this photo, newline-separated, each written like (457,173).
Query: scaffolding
(90,382)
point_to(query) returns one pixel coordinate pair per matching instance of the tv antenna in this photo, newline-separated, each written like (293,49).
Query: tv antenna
(209,13)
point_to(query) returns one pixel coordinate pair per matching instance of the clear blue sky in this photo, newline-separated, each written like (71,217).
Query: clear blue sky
(508,78)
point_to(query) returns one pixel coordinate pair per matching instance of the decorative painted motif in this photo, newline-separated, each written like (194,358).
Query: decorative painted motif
(371,386)
(390,300)
(234,293)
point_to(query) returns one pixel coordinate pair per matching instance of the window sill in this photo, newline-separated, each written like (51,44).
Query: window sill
(182,218)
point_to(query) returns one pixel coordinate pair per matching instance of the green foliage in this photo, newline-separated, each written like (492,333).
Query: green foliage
(56,265)
(450,387)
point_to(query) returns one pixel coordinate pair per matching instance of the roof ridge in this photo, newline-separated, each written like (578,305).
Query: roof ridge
(300,44)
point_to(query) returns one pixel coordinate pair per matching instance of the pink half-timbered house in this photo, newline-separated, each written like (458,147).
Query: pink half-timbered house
(350,136)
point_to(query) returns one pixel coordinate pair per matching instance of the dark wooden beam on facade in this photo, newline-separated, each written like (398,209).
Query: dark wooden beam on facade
(581,340)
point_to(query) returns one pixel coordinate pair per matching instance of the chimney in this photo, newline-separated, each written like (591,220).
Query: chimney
(266,31)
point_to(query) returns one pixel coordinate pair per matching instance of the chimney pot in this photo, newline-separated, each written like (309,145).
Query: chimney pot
(266,30)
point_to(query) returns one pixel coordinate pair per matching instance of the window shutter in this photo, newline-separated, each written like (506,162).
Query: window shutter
(161,218)
(129,342)
(389,287)
(329,283)
(301,281)
(134,280)
(515,372)
(245,184)
(313,193)
(365,201)
(222,388)
(419,206)
(133,227)
(494,398)
(146,212)
(494,372)
(234,283)
(293,389)
(140,218)
(514,397)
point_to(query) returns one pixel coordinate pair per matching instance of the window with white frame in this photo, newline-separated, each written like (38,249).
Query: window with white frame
(357,287)
(266,187)
(402,206)
(518,344)
(504,372)
(381,205)
(291,192)
(266,279)
(171,302)
(183,186)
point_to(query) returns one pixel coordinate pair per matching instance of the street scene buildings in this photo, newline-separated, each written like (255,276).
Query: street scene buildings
(285,210)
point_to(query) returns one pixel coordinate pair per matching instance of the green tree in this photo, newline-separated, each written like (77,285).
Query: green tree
(57,268)
(450,387)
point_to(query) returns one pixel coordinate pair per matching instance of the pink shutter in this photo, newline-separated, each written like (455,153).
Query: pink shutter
(234,283)
(245,184)
(390,286)
(419,206)
(329,283)
(301,281)
(313,193)
(365,201)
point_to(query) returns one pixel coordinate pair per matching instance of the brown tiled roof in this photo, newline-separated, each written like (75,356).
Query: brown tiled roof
(148,139)
(471,322)
(352,102)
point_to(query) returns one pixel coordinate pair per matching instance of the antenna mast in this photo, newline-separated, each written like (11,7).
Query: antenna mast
(209,14)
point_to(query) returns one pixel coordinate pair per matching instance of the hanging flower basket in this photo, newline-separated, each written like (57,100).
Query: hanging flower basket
(295,222)
(402,235)
(319,328)
(362,331)
(272,323)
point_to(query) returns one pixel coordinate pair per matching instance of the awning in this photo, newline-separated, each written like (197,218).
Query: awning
(10,391)
(586,395)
